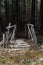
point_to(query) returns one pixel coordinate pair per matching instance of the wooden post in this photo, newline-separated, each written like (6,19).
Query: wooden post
(3,40)
(25,29)
(9,28)
(7,38)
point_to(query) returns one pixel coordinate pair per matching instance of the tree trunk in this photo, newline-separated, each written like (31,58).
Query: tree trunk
(6,12)
(33,12)
(41,14)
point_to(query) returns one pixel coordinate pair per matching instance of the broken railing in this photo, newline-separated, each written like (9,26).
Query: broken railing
(11,35)
(8,36)
(32,35)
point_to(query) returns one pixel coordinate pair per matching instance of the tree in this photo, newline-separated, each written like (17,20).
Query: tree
(0,16)
(41,14)
(33,12)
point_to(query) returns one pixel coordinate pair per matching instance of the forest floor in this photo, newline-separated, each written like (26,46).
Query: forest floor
(31,56)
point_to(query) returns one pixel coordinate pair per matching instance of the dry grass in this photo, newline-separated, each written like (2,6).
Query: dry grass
(30,57)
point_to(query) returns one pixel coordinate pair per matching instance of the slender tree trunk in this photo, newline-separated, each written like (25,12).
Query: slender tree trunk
(0,17)
(41,14)
(12,11)
(33,12)
(6,12)
(17,15)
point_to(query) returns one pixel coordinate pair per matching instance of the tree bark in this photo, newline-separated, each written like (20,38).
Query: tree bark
(41,14)
(33,12)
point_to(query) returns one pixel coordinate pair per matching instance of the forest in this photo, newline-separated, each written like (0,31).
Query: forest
(21,32)
(21,12)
